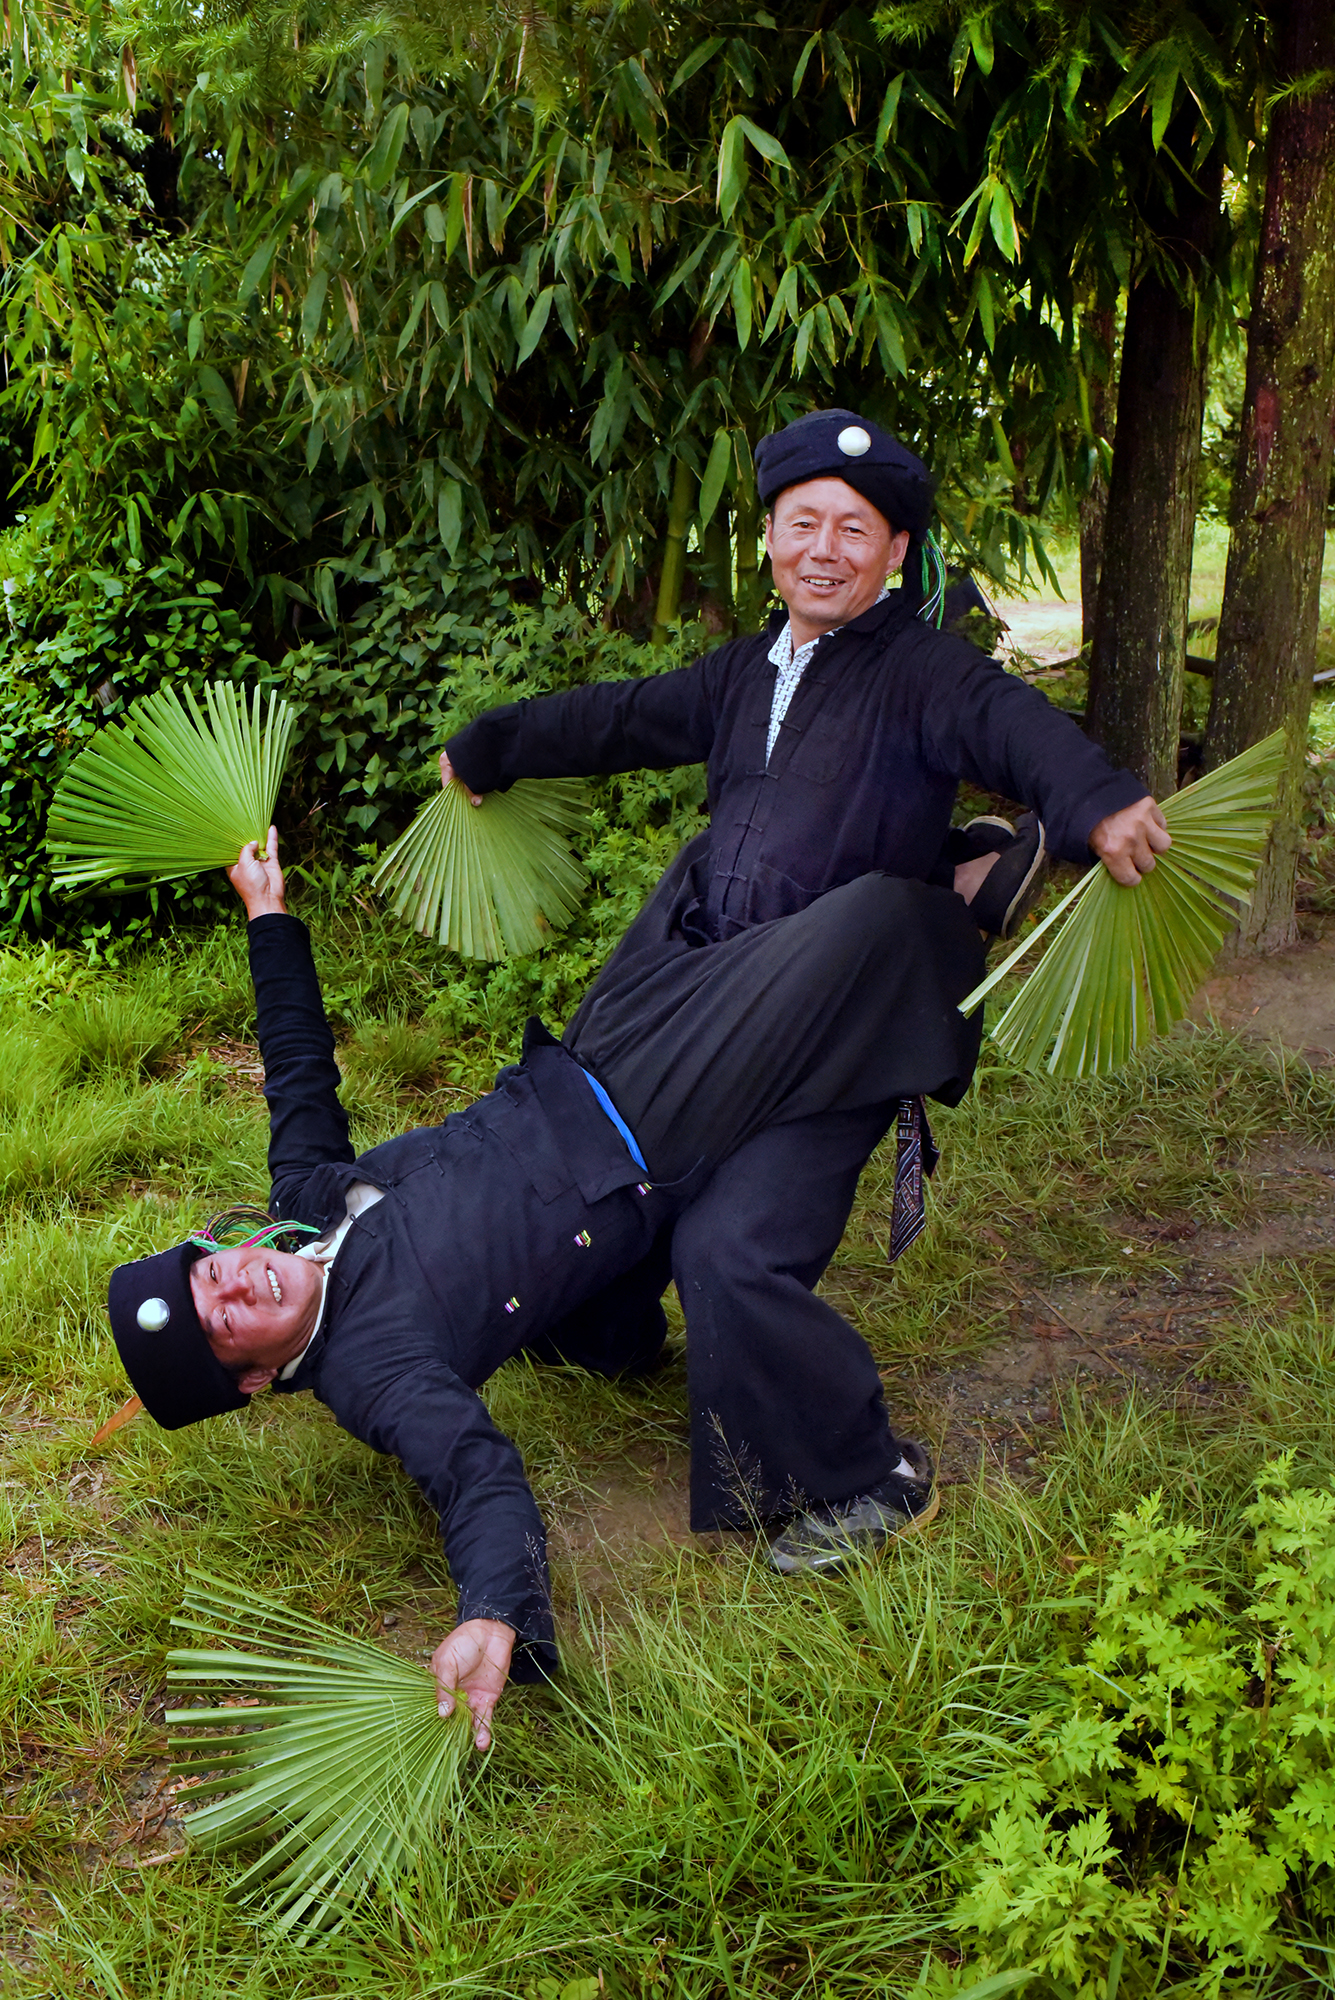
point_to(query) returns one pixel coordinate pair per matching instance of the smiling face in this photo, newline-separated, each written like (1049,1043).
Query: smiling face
(257,1307)
(831,551)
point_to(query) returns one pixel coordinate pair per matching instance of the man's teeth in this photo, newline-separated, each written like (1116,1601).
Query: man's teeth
(274,1286)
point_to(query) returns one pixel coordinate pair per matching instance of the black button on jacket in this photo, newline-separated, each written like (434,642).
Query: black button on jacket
(888,719)
(483,1213)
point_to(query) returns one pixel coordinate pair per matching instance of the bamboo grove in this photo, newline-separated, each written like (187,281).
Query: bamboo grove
(288,286)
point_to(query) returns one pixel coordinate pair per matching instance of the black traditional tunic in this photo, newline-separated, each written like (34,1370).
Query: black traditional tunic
(888,720)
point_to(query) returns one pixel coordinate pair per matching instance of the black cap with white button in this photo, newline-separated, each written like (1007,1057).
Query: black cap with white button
(176,1375)
(839,444)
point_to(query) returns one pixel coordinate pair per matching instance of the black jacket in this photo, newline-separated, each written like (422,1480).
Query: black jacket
(888,719)
(494,1226)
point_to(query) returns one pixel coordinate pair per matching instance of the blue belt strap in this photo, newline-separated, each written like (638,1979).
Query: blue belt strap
(616,1118)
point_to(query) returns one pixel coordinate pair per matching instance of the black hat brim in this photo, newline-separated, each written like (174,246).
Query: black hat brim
(175,1373)
(887,474)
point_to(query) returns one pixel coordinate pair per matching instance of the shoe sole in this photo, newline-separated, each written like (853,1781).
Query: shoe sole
(840,1558)
(1028,892)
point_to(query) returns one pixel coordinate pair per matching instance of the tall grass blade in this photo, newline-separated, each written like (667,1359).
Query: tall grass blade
(1126,963)
(173,789)
(345,1773)
(489,881)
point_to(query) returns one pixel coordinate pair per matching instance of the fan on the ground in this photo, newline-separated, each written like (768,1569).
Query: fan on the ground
(346,1770)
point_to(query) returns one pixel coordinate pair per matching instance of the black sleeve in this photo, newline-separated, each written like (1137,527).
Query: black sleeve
(591,731)
(308,1127)
(395,1393)
(987,727)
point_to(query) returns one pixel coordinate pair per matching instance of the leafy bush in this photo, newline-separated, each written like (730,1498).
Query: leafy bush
(77,649)
(1178,1795)
(431,645)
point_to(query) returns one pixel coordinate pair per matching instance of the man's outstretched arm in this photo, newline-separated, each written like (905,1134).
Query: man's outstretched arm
(308,1127)
(608,726)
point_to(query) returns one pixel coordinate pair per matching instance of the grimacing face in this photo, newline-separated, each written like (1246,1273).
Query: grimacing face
(831,551)
(257,1306)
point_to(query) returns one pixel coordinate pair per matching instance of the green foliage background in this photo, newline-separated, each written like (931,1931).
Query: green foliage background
(370,326)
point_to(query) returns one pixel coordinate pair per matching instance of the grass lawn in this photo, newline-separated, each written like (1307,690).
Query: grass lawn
(742,1786)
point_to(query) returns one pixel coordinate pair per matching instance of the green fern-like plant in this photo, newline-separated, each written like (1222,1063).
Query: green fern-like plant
(489,881)
(1126,962)
(346,1770)
(172,790)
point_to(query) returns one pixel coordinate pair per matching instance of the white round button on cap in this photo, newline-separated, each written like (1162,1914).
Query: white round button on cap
(853,441)
(153,1315)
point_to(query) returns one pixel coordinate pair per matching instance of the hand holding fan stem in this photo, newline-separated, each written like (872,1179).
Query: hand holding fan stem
(1127,962)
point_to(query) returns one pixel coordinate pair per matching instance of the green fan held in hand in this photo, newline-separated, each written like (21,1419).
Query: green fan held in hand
(490,880)
(1126,962)
(347,1770)
(173,789)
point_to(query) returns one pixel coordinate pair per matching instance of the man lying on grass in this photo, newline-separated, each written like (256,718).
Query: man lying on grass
(440,1254)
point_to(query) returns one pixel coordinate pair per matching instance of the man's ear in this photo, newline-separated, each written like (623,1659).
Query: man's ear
(899,548)
(255,1379)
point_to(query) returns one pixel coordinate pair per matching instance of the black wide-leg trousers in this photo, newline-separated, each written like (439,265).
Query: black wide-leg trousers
(776,1058)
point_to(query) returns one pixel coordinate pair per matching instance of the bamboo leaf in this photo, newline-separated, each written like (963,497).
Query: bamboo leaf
(731,166)
(741,302)
(218,397)
(716,475)
(379,164)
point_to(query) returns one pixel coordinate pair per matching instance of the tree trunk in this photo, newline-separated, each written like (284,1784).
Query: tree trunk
(1140,627)
(681,506)
(1094,505)
(1266,650)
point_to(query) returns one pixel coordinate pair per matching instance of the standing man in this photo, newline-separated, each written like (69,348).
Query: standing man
(835,742)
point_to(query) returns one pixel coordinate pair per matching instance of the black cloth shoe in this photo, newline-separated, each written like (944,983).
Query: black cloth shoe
(831,1537)
(1015,880)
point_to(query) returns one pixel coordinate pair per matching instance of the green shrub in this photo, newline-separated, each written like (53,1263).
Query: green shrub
(431,644)
(1177,1796)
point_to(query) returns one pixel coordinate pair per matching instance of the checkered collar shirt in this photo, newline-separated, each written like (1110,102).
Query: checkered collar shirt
(791,667)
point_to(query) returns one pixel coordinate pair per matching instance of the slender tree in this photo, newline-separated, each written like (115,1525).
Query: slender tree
(1094,500)
(1140,628)
(1268,628)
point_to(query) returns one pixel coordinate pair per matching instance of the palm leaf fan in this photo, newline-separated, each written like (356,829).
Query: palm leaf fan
(493,880)
(1126,962)
(345,1770)
(172,789)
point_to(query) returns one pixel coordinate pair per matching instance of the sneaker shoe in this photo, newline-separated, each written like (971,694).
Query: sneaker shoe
(831,1537)
(1015,880)
(985,834)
